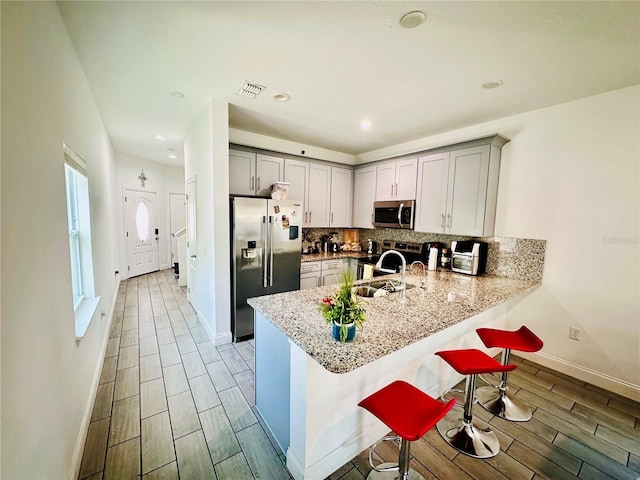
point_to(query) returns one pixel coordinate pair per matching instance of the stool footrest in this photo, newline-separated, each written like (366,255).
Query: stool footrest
(384,467)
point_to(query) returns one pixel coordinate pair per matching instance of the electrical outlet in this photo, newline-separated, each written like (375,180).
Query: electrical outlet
(574,333)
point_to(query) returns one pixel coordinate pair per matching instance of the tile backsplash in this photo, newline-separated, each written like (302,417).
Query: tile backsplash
(519,258)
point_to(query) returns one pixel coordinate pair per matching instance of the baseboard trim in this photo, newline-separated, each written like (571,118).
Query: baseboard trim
(612,384)
(223,339)
(86,419)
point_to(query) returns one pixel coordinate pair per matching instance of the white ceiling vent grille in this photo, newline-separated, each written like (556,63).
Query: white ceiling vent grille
(250,90)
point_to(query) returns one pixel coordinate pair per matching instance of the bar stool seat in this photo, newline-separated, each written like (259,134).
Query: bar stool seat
(457,427)
(496,399)
(409,413)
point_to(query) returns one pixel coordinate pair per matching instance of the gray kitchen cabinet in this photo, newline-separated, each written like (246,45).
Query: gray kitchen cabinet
(251,174)
(341,190)
(364,194)
(310,275)
(296,173)
(396,180)
(242,173)
(332,270)
(457,190)
(269,170)
(319,199)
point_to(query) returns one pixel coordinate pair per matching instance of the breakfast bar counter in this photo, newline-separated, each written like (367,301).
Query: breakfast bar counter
(308,385)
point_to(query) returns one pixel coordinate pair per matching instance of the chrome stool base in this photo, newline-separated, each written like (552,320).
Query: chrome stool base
(393,475)
(466,437)
(496,401)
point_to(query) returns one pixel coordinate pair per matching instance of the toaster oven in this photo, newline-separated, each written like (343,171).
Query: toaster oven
(468,257)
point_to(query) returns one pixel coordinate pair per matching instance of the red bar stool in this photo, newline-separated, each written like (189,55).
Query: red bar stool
(457,427)
(410,413)
(495,398)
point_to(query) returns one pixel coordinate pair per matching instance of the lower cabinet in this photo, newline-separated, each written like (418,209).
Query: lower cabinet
(310,275)
(331,271)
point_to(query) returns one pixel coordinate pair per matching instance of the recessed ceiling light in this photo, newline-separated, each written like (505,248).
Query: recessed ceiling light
(366,124)
(413,19)
(281,97)
(492,84)
(177,94)
(159,137)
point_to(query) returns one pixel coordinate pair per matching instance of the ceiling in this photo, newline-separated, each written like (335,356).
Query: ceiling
(342,62)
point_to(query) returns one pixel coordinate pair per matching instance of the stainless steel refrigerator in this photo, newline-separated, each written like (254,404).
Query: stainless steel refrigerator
(265,254)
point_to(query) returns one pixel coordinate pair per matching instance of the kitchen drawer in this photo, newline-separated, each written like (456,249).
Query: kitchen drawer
(308,267)
(329,265)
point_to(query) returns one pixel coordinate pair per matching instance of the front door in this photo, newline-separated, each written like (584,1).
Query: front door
(141,232)
(191,242)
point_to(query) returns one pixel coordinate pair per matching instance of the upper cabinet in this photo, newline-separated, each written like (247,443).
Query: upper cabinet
(341,189)
(364,194)
(311,184)
(457,190)
(397,180)
(251,174)
(242,173)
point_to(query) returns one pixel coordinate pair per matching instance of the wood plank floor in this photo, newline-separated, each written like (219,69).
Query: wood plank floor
(171,405)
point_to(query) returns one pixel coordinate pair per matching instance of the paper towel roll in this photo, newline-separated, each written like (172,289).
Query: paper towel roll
(433,258)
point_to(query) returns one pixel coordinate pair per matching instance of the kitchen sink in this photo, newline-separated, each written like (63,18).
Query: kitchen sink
(377,288)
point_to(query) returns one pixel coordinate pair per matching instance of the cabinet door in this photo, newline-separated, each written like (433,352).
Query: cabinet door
(297,174)
(386,181)
(406,171)
(309,280)
(468,175)
(364,194)
(341,185)
(269,170)
(319,195)
(431,195)
(242,173)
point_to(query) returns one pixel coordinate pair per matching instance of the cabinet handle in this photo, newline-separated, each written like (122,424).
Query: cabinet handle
(332,218)
(258,186)
(442,223)
(252,182)
(392,190)
(449,221)
(309,216)
(396,190)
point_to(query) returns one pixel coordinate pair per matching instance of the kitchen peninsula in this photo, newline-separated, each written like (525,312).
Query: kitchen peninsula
(308,385)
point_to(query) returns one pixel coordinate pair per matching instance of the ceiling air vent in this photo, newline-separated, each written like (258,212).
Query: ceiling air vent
(250,90)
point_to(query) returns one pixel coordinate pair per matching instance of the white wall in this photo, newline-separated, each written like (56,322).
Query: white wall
(162,179)
(570,175)
(48,380)
(206,151)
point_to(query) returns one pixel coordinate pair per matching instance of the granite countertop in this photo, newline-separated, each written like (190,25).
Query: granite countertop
(315,257)
(448,298)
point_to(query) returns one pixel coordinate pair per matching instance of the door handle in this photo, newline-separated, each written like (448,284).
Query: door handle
(400,214)
(193,256)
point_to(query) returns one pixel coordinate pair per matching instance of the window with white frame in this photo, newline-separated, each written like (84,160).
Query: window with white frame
(78,219)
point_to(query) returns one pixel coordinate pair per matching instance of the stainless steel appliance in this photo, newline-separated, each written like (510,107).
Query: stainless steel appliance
(468,257)
(394,214)
(392,264)
(265,254)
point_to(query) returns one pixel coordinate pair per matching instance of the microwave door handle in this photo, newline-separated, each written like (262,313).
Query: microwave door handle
(400,214)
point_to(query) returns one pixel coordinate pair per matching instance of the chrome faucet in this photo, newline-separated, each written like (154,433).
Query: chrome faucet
(423,283)
(403,281)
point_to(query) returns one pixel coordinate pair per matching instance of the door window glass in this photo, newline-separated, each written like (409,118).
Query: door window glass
(142,222)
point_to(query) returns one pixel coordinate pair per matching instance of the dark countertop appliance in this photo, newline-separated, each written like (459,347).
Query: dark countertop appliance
(468,257)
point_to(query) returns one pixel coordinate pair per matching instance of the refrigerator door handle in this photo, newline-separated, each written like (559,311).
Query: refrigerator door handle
(271,235)
(265,238)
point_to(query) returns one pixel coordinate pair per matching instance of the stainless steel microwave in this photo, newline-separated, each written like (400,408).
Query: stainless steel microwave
(394,214)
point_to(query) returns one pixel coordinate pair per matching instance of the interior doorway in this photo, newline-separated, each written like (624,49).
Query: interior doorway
(192,277)
(177,220)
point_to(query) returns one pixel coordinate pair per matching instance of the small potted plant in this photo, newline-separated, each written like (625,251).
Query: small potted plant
(343,310)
